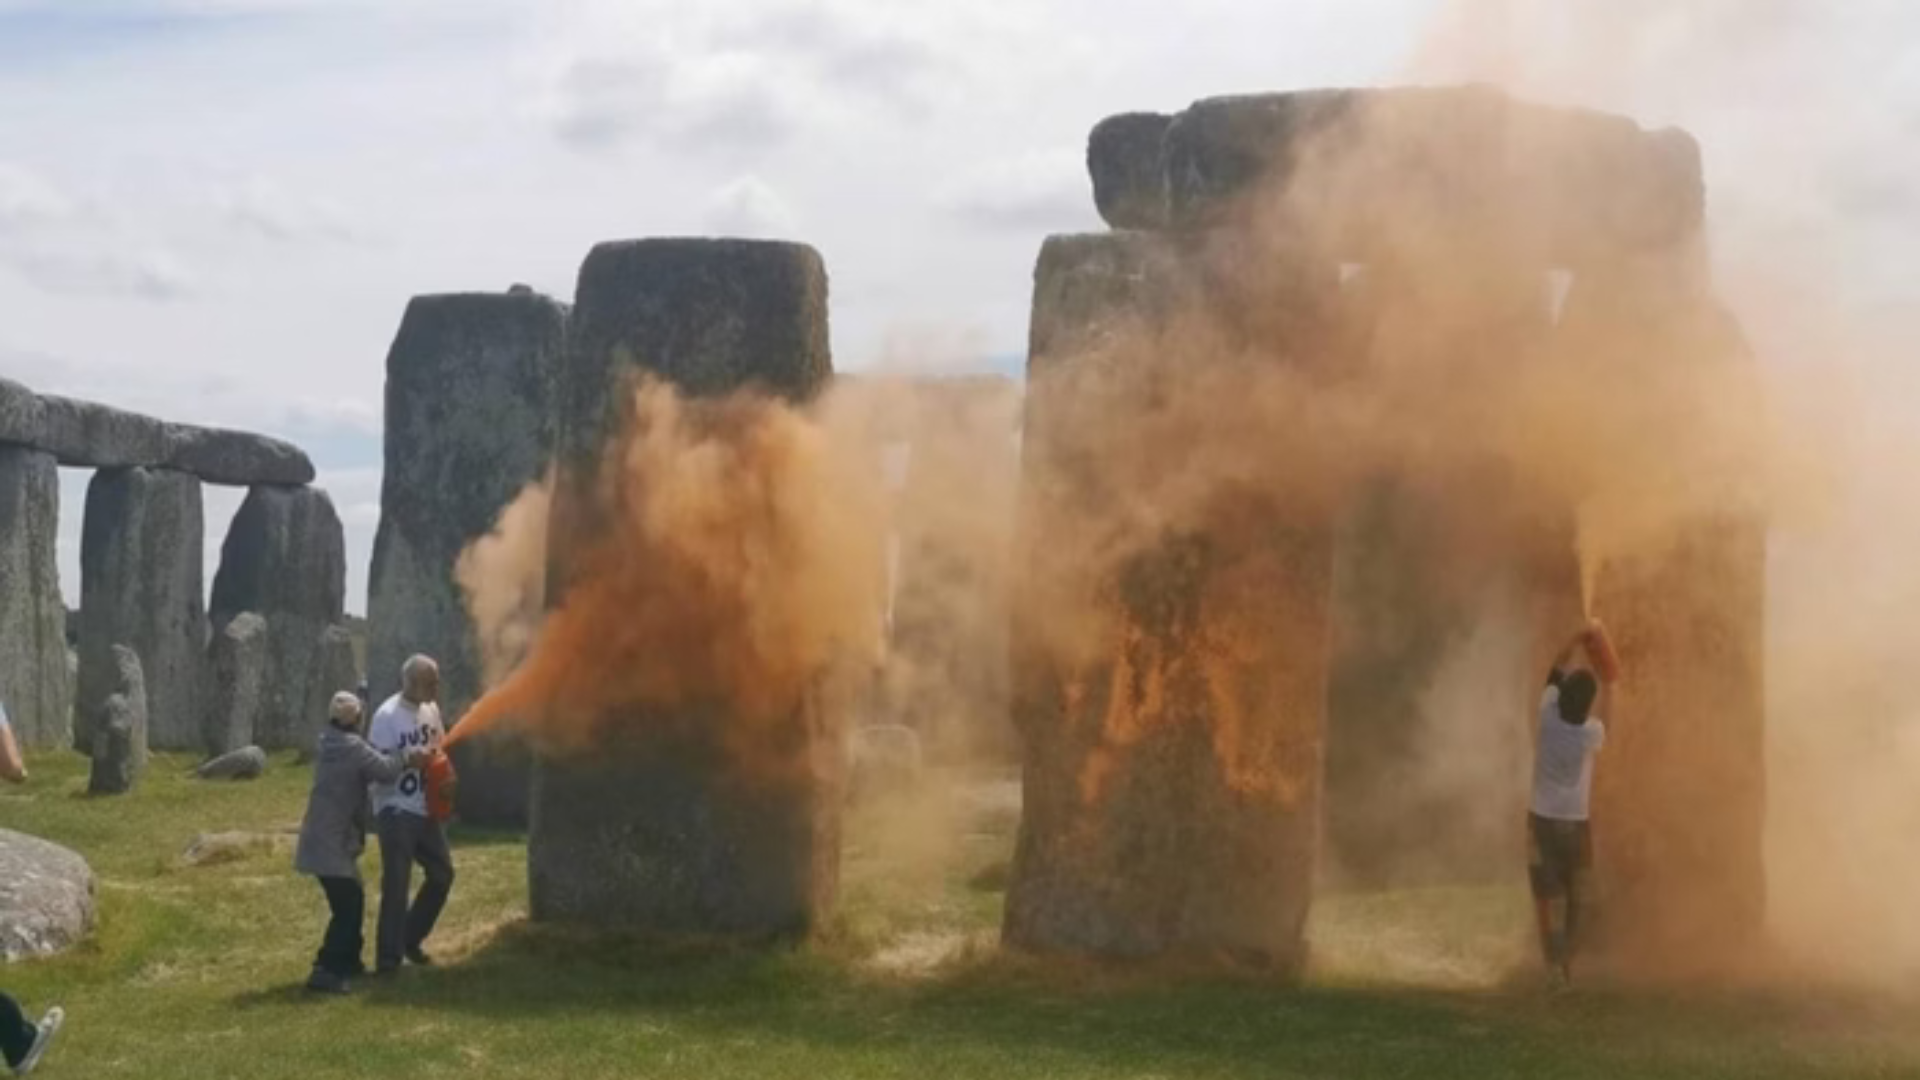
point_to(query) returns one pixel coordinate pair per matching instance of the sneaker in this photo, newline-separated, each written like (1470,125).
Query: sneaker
(326,982)
(43,1037)
(418,957)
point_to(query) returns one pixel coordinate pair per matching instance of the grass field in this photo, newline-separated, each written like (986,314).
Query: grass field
(193,973)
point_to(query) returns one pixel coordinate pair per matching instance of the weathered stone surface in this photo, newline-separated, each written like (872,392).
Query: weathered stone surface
(284,559)
(119,725)
(46,897)
(1127,164)
(1680,793)
(90,435)
(1370,170)
(237,681)
(141,585)
(671,835)
(239,458)
(19,414)
(33,675)
(468,425)
(339,669)
(246,763)
(1172,759)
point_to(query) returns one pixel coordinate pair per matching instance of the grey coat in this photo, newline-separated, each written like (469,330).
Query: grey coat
(339,811)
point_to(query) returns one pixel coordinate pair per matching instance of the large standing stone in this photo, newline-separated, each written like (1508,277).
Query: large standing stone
(141,585)
(669,835)
(284,559)
(237,668)
(33,655)
(469,424)
(1371,171)
(1173,748)
(46,897)
(119,725)
(1680,791)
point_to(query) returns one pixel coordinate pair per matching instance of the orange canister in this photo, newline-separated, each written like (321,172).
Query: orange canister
(439,775)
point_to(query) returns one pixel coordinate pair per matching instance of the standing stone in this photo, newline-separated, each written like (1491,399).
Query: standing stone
(338,669)
(284,559)
(468,426)
(119,728)
(141,585)
(1173,750)
(666,833)
(237,666)
(1680,792)
(1128,166)
(34,688)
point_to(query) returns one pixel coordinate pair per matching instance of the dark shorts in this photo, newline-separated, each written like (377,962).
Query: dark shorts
(1558,853)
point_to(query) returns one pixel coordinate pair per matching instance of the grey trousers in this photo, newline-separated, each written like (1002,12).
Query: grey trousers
(406,839)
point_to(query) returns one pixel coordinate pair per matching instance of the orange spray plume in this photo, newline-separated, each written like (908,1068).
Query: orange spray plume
(735,564)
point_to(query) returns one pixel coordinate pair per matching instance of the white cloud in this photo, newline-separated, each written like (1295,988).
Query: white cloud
(718,104)
(1031,193)
(746,207)
(272,212)
(28,201)
(100,271)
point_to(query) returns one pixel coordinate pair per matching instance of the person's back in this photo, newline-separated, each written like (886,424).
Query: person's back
(1563,760)
(1561,842)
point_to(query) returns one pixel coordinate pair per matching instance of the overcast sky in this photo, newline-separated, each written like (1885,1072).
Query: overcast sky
(215,210)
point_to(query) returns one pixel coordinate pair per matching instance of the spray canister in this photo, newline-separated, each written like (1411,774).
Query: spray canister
(441,782)
(1606,662)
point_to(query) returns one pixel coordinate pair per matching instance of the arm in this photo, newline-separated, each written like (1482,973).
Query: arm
(1565,657)
(13,768)
(377,767)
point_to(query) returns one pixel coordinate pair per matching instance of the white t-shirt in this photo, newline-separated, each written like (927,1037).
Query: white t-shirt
(399,724)
(1563,764)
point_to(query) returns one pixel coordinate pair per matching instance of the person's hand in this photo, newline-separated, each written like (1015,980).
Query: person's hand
(418,756)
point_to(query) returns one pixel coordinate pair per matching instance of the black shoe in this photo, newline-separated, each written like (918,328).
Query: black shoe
(326,982)
(386,971)
(418,957)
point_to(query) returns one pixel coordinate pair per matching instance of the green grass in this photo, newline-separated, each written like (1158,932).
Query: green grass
(193,973)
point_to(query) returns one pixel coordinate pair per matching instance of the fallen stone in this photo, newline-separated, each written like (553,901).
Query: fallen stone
(120,729)
(237,674)
(34,688)
(469,392)
(46,897)
(216,849)
(141,584)
(1125,159)
(664,834)
(246,763)
(284,559)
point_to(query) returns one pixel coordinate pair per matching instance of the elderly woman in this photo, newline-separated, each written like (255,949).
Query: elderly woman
(335,832)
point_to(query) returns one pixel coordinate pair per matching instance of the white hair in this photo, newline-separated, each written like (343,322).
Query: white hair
(345,707)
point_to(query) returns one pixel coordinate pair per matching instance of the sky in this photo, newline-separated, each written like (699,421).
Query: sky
(216,210)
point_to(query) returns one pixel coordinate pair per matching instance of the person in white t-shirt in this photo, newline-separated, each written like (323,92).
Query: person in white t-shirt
(1560,838)
(409,720)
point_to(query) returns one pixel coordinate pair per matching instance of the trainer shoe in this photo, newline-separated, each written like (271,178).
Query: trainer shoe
(418,957)
(326,982)
(48,1027)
